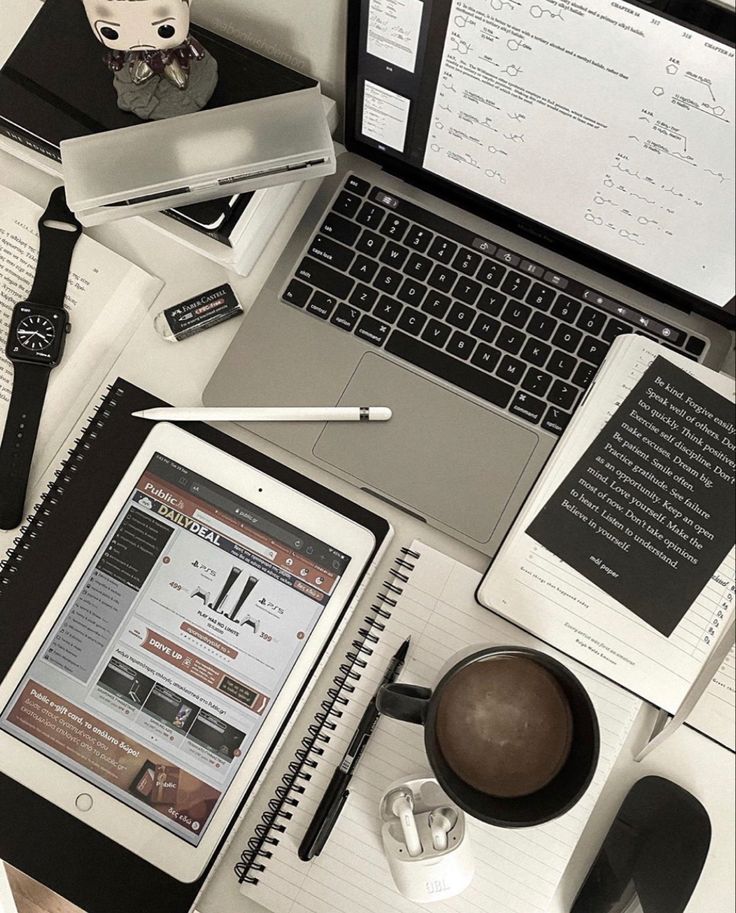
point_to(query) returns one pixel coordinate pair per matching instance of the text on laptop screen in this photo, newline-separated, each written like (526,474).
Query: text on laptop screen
(599,119)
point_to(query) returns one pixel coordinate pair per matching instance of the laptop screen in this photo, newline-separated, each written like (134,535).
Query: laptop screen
(605,122)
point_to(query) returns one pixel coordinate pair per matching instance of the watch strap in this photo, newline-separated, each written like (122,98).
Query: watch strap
(56,246)
(19,440)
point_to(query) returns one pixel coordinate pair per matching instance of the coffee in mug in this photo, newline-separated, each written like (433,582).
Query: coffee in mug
(504,725)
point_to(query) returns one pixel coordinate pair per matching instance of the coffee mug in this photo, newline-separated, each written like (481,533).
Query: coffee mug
(520,734)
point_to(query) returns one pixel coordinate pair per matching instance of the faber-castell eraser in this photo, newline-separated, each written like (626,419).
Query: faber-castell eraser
(199,313)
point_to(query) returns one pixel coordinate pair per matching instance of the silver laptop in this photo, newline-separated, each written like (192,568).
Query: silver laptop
(524,182)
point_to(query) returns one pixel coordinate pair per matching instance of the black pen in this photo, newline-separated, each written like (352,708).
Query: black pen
(337,792)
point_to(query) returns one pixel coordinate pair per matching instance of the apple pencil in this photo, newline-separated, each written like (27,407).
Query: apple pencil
(269,414)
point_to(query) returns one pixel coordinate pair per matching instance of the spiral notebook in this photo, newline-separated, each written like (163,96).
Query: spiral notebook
(430,597)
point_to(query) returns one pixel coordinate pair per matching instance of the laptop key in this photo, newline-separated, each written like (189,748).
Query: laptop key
(437,333)
(566,338)
(363,268)
(485,328)
(443,250)
(594,350)
(387,309)
(491,302)
(536,382)
(325,278)
(418,267)
(357,185)
(591,321)
(394,255)
(412,321)
(442,278)
(394,227)
(329,251)
(563,395)
(556,420)
(541,296)
(486,357)
(388,280)
(370,243)
(584,374)
(461,316)
(614,329)
(535,352)
(345,317)
(412,291)
(566,308)
(297,293)
(510,340)
(418,238)
(527,407)
(515,284)
(467,290)
(491,273)
(340,229)
(460,345)
(363,297)
(347,204)
(561,364)
(436,304)
(467,261)
(695,346)
(511,369)
(370,215)
(516,314)
(479,383)
(542,326)
(321,305)
(372,330)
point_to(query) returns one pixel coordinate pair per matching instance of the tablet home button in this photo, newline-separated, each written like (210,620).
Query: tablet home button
(84,802)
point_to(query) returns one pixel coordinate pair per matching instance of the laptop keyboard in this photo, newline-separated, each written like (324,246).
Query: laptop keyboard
(429,292)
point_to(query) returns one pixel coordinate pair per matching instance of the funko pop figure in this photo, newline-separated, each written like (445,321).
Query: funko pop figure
(152,55)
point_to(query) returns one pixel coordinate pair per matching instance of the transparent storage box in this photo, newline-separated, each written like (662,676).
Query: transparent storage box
(194,157)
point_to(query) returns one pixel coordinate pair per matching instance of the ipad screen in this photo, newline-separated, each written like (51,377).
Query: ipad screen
(178,638)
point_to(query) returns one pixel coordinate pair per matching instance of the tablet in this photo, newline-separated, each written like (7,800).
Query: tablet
(155,683)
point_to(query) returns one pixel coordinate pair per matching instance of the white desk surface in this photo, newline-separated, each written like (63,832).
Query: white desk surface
(178,372)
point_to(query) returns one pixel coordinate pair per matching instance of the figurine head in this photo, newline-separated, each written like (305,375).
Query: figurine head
(139,25)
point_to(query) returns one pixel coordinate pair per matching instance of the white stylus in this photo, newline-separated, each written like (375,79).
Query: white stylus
(269,414)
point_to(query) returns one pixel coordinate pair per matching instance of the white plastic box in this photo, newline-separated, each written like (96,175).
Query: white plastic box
(169,163)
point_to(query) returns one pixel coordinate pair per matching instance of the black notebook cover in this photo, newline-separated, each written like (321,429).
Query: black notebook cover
(35,836)
(55,85)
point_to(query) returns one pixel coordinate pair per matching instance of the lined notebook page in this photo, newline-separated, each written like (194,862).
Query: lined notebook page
(517,871)
(714,713)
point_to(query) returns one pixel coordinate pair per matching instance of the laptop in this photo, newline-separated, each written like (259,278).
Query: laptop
(523,181)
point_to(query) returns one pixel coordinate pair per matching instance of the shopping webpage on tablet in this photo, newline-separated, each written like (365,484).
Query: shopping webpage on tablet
(174,645)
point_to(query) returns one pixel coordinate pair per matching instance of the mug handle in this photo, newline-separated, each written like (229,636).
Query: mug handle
(409,703)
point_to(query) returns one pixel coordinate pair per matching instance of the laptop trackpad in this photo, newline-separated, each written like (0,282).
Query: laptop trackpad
(441,455)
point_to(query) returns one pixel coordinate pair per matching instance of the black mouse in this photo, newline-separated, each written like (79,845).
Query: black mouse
(653,854)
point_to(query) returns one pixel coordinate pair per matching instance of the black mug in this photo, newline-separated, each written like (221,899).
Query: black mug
(420,705)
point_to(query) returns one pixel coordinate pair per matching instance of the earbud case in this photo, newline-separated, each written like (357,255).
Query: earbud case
(436,874)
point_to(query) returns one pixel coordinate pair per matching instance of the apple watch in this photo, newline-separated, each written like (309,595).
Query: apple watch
(35,345)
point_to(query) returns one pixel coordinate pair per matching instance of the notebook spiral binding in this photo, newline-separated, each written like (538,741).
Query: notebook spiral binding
(275,819)
(55,489)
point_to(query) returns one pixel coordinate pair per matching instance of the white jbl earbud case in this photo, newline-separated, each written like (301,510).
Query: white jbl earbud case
(430,856)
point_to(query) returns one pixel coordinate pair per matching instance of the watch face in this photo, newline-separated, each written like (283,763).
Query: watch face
(35,332)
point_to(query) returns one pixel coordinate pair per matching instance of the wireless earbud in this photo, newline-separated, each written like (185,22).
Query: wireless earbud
(441,822)
(402,805)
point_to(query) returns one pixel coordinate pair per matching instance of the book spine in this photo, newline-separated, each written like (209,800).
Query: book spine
(279,811)
(27,139)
